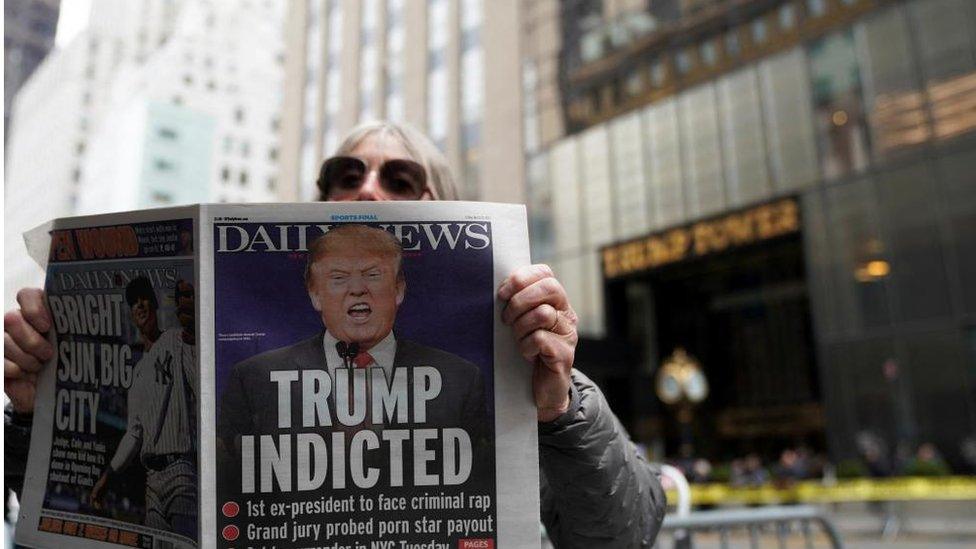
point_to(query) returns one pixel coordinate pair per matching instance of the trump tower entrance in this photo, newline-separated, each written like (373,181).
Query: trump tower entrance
(729,296)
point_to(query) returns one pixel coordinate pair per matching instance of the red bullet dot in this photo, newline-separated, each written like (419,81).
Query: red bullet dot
(230,509)
(231,532)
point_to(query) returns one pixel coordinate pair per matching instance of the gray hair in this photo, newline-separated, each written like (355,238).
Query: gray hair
(440,180)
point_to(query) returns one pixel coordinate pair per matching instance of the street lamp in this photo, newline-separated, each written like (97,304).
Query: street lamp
(681,384)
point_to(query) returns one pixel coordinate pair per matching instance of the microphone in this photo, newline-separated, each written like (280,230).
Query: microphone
(347,352)
(343,349)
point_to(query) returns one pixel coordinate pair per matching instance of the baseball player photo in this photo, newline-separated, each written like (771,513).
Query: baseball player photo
(161,417)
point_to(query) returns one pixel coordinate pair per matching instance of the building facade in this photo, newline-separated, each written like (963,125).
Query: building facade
(28,35)
(155,103)
(450,68)
(785,190)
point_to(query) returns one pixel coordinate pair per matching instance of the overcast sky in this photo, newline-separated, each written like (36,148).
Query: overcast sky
(72,20)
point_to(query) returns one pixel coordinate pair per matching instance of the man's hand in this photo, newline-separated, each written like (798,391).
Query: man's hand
(98,491)
(544,324)
(25,348)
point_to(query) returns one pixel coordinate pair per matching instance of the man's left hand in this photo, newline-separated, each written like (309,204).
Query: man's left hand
(544,324)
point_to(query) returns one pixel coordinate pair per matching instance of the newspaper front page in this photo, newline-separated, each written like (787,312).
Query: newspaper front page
(356,387)
(113,457)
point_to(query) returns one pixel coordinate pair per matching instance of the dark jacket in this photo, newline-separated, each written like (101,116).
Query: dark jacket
(597,489)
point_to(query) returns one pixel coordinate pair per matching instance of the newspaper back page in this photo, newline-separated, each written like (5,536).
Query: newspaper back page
(114,447)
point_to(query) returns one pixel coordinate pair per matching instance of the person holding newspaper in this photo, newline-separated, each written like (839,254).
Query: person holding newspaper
(596,488)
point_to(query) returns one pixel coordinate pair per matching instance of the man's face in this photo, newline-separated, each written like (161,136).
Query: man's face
(144,315)
(185,309)
(357,295)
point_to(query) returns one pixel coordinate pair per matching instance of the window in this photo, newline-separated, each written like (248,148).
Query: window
(272,154)
(732,46)
(708,53)
(243,178)
(839,108)
(272,184)
(658,73)
(742,138)
(861,293)
(163,165)
(894,102)
(239,115)
(664,169)
(787,16)
(225,174)
(816,8)
(759,31)
(945,40)
(683,60)
(912,223)
(188,79)
(634,84)
(166,133)
(703,159)
(80,147)
(245,149)
(789,126)
(160,197)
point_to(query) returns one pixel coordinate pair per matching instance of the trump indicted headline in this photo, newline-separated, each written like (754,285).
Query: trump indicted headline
(266,460)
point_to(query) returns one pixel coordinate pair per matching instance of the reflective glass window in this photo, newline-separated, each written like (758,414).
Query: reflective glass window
(540,207)
(861,260)
(566,202)
(595,187)
(743,145)
(665,176)
(838,105)
(703,158)
(788,115)
(894,102)
(958,179)
(630,204)
(947,54)
(918,266)
(593,322)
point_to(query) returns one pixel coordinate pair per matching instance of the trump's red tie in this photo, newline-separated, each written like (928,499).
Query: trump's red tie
(363,359)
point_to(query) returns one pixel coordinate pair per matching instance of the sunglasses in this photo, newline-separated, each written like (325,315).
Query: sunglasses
(341,178)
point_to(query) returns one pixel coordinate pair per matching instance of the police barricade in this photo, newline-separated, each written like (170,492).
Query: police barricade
(757,527)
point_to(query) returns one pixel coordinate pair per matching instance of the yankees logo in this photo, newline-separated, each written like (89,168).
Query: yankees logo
(164,372)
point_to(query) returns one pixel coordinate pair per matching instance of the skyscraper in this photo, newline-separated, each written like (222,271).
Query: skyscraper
(28,35)
(156,102)
(448,67)
(784,190)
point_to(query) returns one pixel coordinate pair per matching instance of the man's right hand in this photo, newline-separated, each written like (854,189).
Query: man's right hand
(98,491)
(25,347)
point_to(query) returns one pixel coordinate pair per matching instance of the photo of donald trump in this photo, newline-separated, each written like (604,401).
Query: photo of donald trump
(355,284)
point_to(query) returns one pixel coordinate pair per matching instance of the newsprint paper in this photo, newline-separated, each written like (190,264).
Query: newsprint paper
(330,375)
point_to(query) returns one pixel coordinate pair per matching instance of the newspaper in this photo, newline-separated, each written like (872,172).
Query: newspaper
(290,375)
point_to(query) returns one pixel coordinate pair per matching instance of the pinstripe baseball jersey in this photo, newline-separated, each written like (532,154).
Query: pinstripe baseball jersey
(162,402)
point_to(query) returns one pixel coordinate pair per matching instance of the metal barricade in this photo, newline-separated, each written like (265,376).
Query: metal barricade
(750,527)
